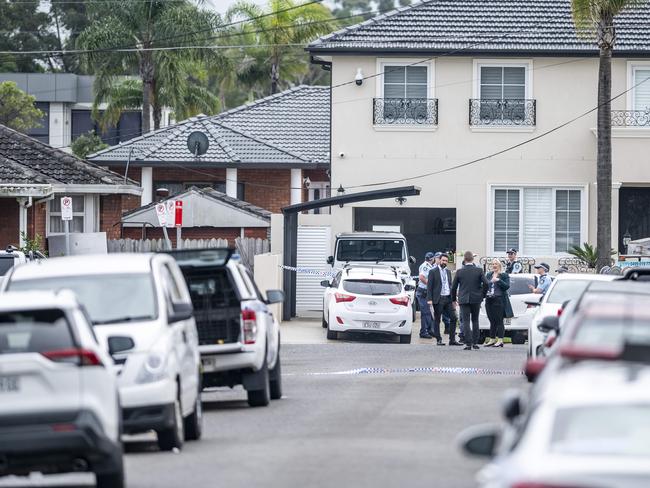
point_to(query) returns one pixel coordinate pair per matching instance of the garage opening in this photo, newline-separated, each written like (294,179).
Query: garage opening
(633,215)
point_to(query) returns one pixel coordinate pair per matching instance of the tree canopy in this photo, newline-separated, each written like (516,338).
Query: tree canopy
(17,109)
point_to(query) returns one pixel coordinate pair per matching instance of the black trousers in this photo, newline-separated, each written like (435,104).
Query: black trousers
(494,309)
(470,313)
(444,306)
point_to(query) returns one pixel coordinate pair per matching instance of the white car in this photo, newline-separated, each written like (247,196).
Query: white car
(368,299)
(59,403)
(518,326)
(565,287)
(142,314)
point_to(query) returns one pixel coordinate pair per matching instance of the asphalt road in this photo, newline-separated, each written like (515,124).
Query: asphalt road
(360,414)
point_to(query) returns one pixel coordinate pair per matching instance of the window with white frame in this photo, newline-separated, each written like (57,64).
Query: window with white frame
(317,191)
(406,81)
(641,90)
(538,221)
(78,215)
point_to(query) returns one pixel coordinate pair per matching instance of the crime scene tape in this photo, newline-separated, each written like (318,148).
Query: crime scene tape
(318,272)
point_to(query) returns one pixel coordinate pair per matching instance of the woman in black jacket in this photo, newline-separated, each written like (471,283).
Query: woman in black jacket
(497,303)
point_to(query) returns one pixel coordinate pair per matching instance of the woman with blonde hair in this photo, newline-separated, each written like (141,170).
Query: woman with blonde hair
(497,303)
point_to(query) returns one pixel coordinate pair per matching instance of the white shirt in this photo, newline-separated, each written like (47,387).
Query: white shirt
(444,288)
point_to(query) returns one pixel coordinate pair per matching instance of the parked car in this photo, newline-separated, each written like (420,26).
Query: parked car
(521,299)
(239,337)
(565,287)
(587,428)
(368,299)
(142,314)
(11,257)
(59,404)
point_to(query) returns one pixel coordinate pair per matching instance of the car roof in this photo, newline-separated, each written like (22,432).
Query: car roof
(585,277)
(370,235)
(37,300)
(621,286)
(91,264)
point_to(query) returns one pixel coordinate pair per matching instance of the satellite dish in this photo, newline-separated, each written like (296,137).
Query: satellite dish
(197,143)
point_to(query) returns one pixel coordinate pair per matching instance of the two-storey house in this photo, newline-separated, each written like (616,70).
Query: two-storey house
(490,107)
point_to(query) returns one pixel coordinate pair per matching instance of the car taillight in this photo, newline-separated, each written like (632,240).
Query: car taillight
(550,341)
(249,326)
(81,357)
(342,297)
(559,312)
(533,368)
(400,301)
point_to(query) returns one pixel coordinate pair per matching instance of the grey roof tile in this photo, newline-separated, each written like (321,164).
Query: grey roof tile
(481,26)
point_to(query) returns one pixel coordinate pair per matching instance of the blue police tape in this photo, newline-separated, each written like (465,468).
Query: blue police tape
(318,272)
(439,370)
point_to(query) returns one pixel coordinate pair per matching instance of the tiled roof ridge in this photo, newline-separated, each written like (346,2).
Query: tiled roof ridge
(223,144)
(235,202)
(93,169)
(174,132)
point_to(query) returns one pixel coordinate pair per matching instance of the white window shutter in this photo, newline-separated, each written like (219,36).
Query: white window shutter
(537,221)
(642,89)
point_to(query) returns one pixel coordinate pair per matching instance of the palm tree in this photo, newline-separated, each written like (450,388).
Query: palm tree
(144,26)
(596,18)
(280,25)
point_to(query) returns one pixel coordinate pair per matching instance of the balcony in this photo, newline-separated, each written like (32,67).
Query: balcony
(631,118)
(409,112)
(502,113)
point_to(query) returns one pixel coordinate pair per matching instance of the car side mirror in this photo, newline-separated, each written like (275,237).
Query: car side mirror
(549,324)
(512,405)
(480,440)
(409,288)
(412,260)
(274,296)
(181,311)
(535,302)
(330,260)
(533,368)
(118,344)
(325,284)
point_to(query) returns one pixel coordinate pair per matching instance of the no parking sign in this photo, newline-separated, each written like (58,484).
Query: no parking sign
(66,208)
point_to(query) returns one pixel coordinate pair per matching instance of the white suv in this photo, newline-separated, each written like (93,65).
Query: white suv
(142,314)
(368,299)
(59,404)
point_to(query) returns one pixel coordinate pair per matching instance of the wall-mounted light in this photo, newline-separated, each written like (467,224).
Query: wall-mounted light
(627,238)
(400,201)
(307,182)
(358,79)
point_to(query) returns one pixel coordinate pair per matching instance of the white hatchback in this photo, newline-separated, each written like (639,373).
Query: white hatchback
(370,299)
(59,403)
(142,314)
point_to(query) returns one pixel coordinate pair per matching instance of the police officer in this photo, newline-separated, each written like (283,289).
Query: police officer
(426,319)
(512,265)
(544,279)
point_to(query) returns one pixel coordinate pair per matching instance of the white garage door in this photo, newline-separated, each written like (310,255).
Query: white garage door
(313,248)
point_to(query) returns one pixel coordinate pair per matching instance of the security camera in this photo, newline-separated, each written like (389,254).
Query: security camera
(358,79)
(307,182)
(341,155)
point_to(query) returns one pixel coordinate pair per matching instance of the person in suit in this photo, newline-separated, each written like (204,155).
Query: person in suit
(469,289)
(497,303)
(439,296)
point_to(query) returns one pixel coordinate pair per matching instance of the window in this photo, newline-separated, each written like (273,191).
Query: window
(128,127)
(405,81)
(42,132)
(317,191)
(641,90)
(57,225)
(537,220)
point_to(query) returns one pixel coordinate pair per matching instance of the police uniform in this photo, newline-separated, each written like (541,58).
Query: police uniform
(544,283)
(426,318)
(514,267)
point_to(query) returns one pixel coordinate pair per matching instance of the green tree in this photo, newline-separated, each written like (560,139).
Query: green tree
(147,26)
(275,29)
(86,144)
(17,108)
(67,20)
(595,18)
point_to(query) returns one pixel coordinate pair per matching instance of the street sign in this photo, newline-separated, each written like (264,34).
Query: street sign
(170,210)
(66,208)
(161,213)
(179,213)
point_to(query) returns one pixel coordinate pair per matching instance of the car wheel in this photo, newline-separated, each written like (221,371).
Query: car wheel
(332,335)
(518,338)
(172,438)
(261,397)
(275,380)
(324,323)
(405,339)
(194,422)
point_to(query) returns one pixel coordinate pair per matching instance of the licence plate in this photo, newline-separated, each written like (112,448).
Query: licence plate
(371,325)
(9,384)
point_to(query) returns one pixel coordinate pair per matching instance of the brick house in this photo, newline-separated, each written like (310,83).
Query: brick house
(269,153)
(32,177)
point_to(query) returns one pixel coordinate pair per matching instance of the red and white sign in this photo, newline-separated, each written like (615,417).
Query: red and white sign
(161,213)
(170,209)
(66,208)
(178,213)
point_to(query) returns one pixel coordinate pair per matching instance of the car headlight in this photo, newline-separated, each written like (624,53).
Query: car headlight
(153,369)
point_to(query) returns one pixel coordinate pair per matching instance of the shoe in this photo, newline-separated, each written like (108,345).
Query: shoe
(475,347)
(467,348)
(440,343)
(499,343)
(446,331)
(490,343)
(455,343)
(426,336)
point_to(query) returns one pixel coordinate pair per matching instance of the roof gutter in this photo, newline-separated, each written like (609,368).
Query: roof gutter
(325,65)
(98,189)
(25,190)
(351,51)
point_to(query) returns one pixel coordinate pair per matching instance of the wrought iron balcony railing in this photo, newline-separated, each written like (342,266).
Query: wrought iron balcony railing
(500,113)
(631,118)
(405,111)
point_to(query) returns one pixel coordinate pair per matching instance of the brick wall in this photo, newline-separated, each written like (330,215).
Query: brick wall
(9,222)
(111,209)
(196,233)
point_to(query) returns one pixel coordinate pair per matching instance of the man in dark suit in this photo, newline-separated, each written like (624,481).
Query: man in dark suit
(469,289)
(439,296)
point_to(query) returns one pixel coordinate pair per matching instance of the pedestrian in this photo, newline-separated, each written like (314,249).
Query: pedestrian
(426,319)
(497,303)
(544,279)
(445,316)
(512,265)
(469,289)
(439,296)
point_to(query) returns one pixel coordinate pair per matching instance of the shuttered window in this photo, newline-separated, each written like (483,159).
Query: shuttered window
(537,221)
(405,81)
(641,88)
(503,82)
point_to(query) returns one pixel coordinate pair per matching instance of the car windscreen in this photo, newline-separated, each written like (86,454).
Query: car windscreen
(614,430)
(566,290)
(109,298)
(519,284)
(612,332)
(6,263)
(34,331)
(371,250)
(372,287)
